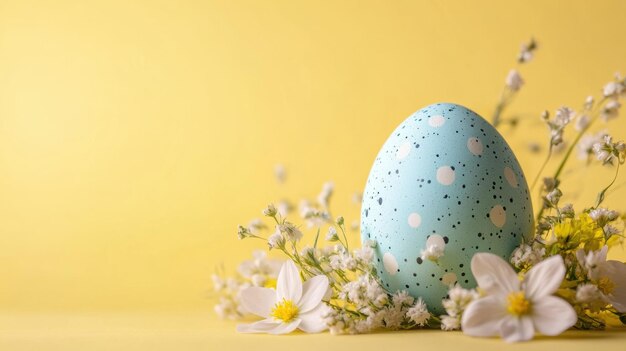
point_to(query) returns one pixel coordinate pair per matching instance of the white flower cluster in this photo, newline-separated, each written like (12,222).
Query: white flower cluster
(562,118)
(260,271)
(374,309)
(605,281)
(229,289)
(607,151)
(285,232)
(525,256)
(458,299)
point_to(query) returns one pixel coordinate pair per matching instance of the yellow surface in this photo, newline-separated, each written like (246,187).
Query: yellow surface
(194,331)
(136,135)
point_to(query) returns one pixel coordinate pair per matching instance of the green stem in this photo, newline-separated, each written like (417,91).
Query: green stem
(345,238)
(543,166)
(601,195)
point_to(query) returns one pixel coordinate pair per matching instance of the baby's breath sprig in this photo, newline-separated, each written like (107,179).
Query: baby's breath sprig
(606,152)
(513,83)
(358,302)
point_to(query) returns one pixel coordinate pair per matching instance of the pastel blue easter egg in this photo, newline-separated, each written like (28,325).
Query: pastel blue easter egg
(444,186)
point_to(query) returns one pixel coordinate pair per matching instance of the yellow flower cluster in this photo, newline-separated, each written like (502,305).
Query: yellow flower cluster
(580,232)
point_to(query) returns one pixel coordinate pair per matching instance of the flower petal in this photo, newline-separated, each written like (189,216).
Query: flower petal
(285,328)
(482,317)
(552,315)
(493,274)
(258,300)
(312,321)
(313,290)
(288,284)
(616,272)
(544,278)
(515,329)
(263,326)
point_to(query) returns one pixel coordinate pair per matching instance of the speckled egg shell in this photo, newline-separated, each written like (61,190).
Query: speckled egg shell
(446,176)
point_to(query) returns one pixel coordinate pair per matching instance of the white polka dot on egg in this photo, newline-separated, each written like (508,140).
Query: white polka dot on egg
(498,216)
(475,146)
(414,220)
(510,177)
(403,150)
(445,175)
(390,263)
(436,121)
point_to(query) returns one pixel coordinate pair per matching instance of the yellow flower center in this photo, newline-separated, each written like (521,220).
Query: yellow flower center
(606,285)
(270,283)
(285,310)
(518,304)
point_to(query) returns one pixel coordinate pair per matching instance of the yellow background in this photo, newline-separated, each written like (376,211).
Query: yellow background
(136,135)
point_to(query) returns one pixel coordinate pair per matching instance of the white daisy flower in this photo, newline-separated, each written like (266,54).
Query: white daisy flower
(515,309)
(292,305)
(608,276)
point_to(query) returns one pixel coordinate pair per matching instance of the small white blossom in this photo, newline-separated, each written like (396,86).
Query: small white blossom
(327,191)
(513,80)
(615,88)
(610,230)
(313,216)
(364,254)
(582,122)
(290,231)
(402,298)
(586,143)
(607,151)
(587,293)
(284,207)
(418,313)
(259,268)
(256,225)
(554,196)
(526,51)
(563,116)
(527,256)
(603,216)
(332,234)
(435,247)
(393,317)
(450,323)
(270,211)
(276,240)
(218,282)
(589,103)
(610,110)
(227,309)
(458,299)
(567,211)
(280,173)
